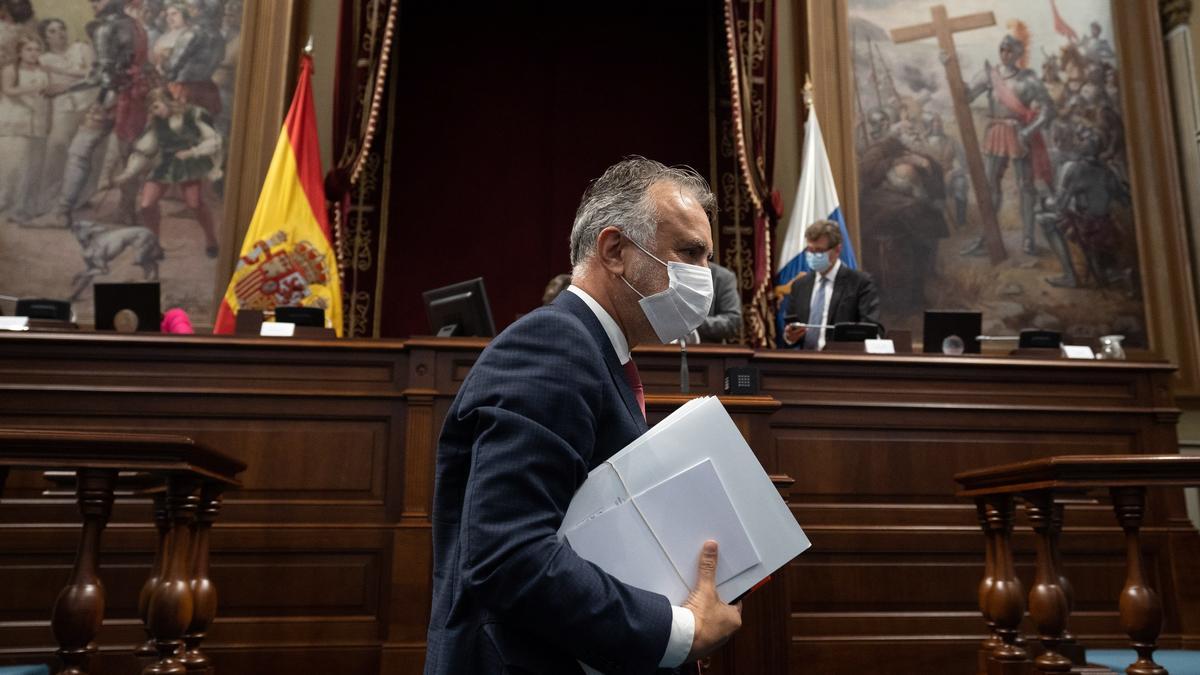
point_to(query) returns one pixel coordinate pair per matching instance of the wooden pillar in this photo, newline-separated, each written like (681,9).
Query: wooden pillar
(1006,602)
(1047,600)
(79,609)
(147,649)
(986,584)
(1141,611)
(171,604)
(204,593)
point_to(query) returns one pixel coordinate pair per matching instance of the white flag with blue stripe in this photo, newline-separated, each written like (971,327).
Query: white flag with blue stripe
(816,199)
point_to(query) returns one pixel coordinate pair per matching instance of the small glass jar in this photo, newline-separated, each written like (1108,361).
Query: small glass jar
(1110,348)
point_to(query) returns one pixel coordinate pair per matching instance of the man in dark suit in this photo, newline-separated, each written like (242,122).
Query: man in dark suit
(831,293)
(551,398)
(724,320)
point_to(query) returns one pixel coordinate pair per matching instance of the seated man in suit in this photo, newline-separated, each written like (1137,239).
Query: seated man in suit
(552,397)
(832,293)
(724,320)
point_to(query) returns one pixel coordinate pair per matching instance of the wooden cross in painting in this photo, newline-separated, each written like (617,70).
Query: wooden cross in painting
(943,28)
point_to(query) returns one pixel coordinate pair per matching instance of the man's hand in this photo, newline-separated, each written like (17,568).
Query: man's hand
(715,620)
(794,332)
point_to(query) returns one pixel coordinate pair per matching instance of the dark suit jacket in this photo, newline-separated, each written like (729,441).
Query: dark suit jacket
(854,299)
(546,402)
(724,318)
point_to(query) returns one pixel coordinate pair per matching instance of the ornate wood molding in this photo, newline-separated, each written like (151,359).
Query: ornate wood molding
(1174,13)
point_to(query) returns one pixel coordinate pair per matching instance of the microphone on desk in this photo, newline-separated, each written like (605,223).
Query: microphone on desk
(683,369)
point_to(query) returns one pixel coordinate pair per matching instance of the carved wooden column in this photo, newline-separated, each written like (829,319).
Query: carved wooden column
(1047,600)
(986,584)
(171,604)
(1141,611)
(1006,602)
(79,609)
(162,525)
(204,593)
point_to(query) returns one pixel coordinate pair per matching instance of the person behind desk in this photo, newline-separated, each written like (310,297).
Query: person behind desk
(724,320)
(832,293)
(551,398)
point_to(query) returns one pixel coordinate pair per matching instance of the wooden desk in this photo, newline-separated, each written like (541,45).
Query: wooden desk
(326,554)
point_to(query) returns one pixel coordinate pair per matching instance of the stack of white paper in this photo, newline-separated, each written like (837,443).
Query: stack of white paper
(643,515)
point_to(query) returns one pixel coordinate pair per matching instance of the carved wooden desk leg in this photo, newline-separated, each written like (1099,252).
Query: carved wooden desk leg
(170,610)
(203,590)
(1047,601)
(162,524)
(1141,611)
(1006,602)
(992,641)
(79,609)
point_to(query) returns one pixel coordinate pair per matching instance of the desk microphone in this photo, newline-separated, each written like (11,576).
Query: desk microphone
(683,369)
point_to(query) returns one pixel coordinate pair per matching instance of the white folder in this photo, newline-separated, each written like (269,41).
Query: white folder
(643,515)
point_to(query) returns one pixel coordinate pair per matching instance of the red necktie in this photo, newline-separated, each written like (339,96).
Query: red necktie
(635,383)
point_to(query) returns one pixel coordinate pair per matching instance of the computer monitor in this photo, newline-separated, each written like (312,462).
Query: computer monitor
(942,326)
(460,309)
(854,332)
(301,316)
(128,307)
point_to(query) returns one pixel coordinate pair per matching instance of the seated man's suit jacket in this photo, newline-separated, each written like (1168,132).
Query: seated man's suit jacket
(546,402)
(854,299)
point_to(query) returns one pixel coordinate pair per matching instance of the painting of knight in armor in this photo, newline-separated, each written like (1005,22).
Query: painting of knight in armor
(115,118)
(992,170)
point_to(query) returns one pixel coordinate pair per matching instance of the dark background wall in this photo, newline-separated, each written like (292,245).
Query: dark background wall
(504,114)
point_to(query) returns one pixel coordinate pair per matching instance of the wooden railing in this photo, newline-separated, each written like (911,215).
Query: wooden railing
(1046,487)
(178,601)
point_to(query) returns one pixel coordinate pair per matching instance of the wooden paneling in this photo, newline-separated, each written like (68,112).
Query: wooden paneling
(323,560)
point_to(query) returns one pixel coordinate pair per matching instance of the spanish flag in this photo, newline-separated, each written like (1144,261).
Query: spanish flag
(287,259)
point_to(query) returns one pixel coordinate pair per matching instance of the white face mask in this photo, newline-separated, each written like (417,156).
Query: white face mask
(681,308)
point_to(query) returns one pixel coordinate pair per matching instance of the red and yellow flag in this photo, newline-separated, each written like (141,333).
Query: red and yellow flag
(287,258)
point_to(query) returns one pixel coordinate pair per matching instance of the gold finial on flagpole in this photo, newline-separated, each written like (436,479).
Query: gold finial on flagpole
(808,91)
(308,46)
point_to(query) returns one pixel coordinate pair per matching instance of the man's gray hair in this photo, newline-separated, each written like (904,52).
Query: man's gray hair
(621,198)
(824,228)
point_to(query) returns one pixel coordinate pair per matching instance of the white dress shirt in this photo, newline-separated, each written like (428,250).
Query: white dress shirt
(683,622)
(831,275)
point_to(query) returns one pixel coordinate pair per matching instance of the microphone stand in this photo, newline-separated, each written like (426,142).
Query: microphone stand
(683,369)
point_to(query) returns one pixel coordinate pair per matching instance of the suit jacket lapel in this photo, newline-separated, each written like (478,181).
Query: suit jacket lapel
(841,285)
(575,305)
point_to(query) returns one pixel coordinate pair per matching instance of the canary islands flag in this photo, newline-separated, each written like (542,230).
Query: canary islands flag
(287,259)
(816,199)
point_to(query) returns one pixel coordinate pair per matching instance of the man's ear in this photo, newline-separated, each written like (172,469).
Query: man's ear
(608,250)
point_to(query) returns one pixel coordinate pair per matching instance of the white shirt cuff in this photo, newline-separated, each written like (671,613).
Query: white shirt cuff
(683,631)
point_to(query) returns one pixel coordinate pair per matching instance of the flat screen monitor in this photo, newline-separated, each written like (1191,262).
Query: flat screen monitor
(460,309)
(952,331)
(128,307)
(301,316)
(854,332)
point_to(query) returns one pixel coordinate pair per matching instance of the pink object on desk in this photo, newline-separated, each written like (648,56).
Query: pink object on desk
(176,321)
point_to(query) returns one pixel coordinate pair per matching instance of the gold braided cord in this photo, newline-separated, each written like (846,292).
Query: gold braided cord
(385,55)
(735,100)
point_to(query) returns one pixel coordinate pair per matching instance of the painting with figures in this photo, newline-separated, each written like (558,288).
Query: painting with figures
(115,118)
(992,168)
